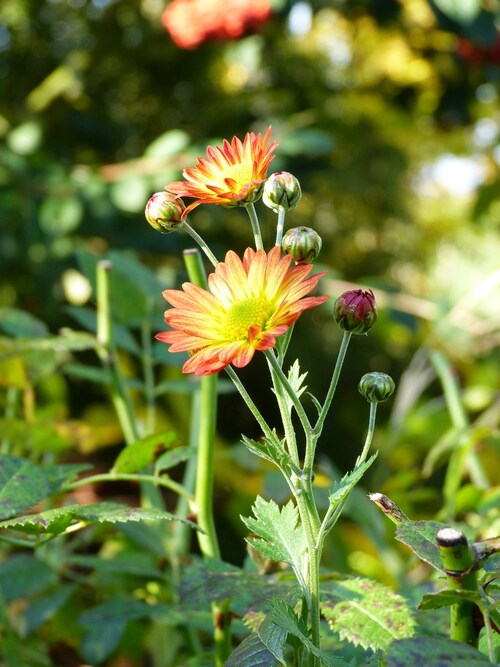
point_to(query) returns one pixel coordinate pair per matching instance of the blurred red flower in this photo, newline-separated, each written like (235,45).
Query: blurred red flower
(191,22)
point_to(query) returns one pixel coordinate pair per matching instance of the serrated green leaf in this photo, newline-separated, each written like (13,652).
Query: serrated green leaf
(341,489)
(267,449)
(367,613)
(420,536)
(206,580)
(252,652)
(58,520)
(296,381)
(19,323)
(279,535)
(22,484)
(447,598)
(285,617)
(22,575)
(143,452)
(433,652)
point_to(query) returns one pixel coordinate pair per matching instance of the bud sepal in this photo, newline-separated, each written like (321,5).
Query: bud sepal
(302,243)
(164,212)
(376,387)
(281,191)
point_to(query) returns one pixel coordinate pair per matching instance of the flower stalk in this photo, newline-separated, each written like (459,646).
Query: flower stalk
(204,483)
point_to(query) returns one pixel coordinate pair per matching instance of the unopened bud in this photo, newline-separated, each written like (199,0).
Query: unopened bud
(376,387)
(281,191)
(355,311)
(164,212)
(302,243)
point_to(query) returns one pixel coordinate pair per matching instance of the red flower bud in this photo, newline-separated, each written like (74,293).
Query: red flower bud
(356,311)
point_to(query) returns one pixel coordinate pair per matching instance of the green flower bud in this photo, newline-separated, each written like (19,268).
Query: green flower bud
(164,212)
(376,387)
(281,191)
(302,243)
(355,311)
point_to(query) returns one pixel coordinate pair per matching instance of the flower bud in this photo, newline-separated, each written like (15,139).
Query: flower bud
(164,212)
(376,387)
(355,311)
(302,243)
(281,191)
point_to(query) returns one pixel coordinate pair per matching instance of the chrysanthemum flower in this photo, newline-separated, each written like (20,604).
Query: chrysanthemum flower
(248,304)
(231,174)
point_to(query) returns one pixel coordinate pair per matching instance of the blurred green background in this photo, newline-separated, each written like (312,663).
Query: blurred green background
(389,114)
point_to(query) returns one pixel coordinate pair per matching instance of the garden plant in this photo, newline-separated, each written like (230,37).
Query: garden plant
(249,333)
(156,595)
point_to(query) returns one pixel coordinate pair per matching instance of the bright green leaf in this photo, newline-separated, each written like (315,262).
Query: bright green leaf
(341,489)
(143,452)
(278,533)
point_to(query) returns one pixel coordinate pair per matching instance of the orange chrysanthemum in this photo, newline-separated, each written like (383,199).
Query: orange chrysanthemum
(248,304)
(230,175)
(192,22)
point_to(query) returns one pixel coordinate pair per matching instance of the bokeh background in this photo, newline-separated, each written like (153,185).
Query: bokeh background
(389,114)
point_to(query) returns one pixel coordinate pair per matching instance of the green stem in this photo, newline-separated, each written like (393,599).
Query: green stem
(266,429)
(150,495)
(280,226)
(194,235)
(107,354)
(334,511)
(204,484)
(254,221)
(148,369)
(333,383)
(166,482)
(458,561)
(286,417)
(299,408)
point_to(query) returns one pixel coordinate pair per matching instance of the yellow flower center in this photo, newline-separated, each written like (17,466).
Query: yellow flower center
(242,315)
(241,173)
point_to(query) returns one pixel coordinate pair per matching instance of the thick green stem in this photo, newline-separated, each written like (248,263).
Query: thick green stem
(458,561)
(150,495)
(204,484)
(148,369)
(254,221)
(107,354)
